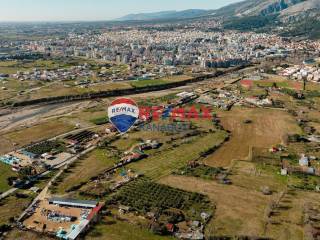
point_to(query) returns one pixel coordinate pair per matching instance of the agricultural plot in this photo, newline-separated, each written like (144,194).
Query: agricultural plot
(12,207)
(80,137)
(45,147)
(239,211)
(5,173)
(144,195)
(202,171)
(286,221)
(89,166)
(242,208)
(172,158)
(38,133)
(268,128)
(121,230)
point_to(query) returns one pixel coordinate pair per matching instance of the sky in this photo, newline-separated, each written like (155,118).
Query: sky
(91,10)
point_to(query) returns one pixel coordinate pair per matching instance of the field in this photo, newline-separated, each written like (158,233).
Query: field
(8,67)
(38,132)
(243,218)
(163,163)
(145,83)
(90,166)
(268,128)
(11,67)
(12,207)
(5,145)
(120,230)
(288,223)
(13,86)
(280,83)
(242,208)
(88,116)
(153,82)
(60,89)
(201,171)
(100,120)
(6,172)
(45,147)
(144,196)
(38,89)
(23,235)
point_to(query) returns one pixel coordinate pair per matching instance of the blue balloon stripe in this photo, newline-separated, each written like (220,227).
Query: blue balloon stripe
(123,122)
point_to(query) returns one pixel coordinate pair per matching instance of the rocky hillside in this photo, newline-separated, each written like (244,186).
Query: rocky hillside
(256,7)
(292,17)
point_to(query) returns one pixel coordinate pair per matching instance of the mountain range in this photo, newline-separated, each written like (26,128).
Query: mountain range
(190,13)
(298,17)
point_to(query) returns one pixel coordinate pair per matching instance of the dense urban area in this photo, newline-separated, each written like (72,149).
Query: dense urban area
(226,146)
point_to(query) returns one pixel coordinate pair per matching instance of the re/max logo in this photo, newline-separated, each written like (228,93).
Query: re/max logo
(123,109)
(157,112)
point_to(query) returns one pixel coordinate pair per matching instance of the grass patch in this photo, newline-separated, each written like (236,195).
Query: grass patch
(202,171)
(84,169)
(118,230)
(100,120)
(12,207)
(5,172)
(154,82)
(39,132)
(145,83)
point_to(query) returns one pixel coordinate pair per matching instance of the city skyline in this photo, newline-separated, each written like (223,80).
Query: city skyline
(97,10)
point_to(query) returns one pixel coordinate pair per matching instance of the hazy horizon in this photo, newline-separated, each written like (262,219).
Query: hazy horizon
(93,10)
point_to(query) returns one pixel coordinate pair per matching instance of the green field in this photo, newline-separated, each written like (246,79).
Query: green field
(13,66)
(39,132)
(5,172)
(100,120)
(163,163)
(89,166)
(145,83)
(154,82)
(144,195)
(118,230)
(12,207)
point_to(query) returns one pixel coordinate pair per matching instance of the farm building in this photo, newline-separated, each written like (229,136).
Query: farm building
(29,154)
(73,203)
(65,218)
